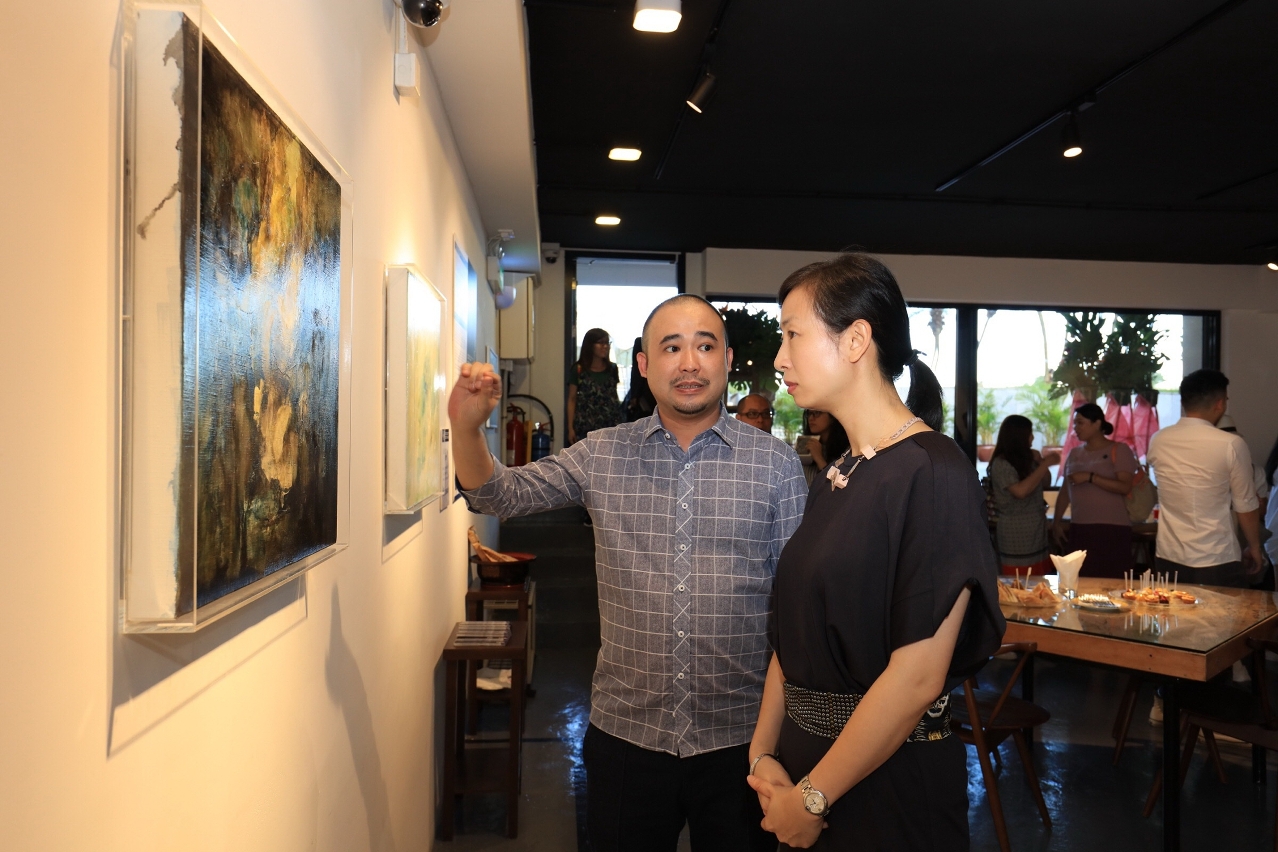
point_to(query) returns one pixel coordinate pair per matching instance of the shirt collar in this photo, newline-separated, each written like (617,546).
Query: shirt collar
(723,427)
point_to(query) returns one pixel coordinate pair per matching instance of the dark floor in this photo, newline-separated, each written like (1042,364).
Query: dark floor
(1093,804)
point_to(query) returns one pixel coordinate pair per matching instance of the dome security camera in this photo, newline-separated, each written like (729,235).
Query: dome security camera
(423,13)
(550,252)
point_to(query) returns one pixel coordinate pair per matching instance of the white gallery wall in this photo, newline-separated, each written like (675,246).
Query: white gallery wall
(306,720)
(1246,296)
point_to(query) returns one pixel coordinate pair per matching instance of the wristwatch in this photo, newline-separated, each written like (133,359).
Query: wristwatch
(814,801)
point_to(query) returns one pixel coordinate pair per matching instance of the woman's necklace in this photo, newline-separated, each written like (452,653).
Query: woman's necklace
(840,480)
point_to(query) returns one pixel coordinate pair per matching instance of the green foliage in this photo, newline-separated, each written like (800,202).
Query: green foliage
(1130,361)
(987,416)
(1050,413)
(947,416)
(789,417)
(1081,357)
(755,338)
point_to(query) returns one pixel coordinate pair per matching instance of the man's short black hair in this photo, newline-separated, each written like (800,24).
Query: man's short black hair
(1201,388)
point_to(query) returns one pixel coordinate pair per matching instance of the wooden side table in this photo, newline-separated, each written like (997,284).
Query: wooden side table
(476,769)
(523,600)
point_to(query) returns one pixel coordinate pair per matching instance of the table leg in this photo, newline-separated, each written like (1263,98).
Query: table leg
(1257,752)
(1027,693)
(513,767)
(1171,766)
(448,803)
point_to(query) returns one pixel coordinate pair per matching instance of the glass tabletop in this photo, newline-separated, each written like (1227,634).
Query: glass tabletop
(1220,615)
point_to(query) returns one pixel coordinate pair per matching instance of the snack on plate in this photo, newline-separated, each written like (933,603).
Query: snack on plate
(1160,597)
(1039,596)
(1096,600)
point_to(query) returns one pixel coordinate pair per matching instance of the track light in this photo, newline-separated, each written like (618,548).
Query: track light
(607,220)
(627,154)
(701,94)
(658,16)
(1071,142)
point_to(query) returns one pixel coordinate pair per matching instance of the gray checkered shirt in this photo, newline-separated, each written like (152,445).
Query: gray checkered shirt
(686,546)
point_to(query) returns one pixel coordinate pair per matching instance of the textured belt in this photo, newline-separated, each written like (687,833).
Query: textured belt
(824,714)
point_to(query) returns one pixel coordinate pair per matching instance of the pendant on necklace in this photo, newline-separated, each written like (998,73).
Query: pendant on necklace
(840,480)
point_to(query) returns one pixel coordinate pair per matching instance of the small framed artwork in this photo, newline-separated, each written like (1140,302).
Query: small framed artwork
(415,385)
(494,420)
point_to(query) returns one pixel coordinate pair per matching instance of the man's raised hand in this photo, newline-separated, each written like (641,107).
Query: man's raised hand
(474,397)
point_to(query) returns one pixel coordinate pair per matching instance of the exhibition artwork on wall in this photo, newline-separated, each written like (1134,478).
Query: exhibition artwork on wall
(415,385)
(236,330)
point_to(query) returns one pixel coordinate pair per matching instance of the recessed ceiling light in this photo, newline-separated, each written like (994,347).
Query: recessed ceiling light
(658,16)
(607,220)
(628,154)
(1273,264)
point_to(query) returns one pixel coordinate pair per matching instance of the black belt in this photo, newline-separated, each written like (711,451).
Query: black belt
(824,714)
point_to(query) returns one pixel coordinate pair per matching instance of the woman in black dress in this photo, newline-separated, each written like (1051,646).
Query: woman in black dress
(885,597)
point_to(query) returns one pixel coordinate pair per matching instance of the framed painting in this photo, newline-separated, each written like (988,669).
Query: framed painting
(415,384)
(235,330)
(494,419)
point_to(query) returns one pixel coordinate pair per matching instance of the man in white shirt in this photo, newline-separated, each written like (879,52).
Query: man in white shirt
(1203,475)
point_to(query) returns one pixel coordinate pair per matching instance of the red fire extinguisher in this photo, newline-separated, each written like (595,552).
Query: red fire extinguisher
(516,442)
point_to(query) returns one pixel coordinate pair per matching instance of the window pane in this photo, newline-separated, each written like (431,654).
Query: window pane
(620,310)
(1019,352)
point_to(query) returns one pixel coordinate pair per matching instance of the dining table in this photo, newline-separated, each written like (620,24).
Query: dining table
(1171,643)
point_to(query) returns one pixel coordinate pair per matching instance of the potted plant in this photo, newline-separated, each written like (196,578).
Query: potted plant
(987,423)
(1049,413)
(1076,374)
(755,338)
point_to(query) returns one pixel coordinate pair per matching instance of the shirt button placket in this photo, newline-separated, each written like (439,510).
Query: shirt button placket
(682,596)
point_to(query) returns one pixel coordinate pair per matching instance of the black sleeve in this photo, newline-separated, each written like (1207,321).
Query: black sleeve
(945,546)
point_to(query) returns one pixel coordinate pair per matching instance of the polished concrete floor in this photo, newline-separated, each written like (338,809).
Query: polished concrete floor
(1094,805)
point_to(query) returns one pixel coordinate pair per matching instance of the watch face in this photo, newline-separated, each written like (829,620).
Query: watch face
(814,803)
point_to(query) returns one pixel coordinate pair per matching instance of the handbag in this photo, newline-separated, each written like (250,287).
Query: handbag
(1143,496)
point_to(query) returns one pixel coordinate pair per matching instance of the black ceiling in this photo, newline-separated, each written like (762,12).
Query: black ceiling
(834,121)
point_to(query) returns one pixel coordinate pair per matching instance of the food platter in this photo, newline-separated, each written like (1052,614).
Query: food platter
(1100,603)
(1160,597)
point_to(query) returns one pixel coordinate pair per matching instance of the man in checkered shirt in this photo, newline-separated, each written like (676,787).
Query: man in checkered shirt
(690,510)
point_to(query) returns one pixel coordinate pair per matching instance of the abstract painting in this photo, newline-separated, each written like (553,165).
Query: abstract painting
(414,390)
(259,223)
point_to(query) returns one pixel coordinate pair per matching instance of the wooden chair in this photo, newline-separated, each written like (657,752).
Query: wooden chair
(1209,709)
(984,719)
(1126,706)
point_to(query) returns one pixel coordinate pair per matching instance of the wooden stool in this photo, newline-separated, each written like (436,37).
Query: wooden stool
(482,770)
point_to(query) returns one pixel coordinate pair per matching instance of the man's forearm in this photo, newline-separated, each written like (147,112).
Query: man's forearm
(473,462)
(1249,523)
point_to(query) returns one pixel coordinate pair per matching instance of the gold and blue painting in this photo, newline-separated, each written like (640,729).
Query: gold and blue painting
(415,384)
(235,333)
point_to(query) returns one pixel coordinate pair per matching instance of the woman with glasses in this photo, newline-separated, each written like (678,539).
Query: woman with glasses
(592,387)
(823,440)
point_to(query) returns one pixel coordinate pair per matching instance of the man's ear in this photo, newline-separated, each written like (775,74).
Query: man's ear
(728,352)
(641,358)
